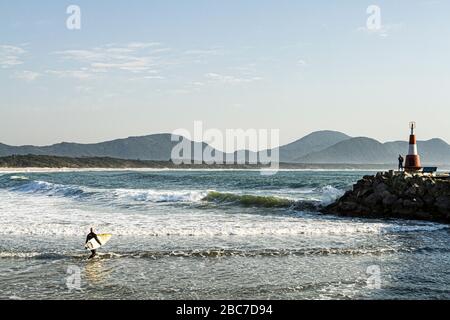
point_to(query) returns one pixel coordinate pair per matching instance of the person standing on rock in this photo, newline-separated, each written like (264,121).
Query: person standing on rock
(400,163)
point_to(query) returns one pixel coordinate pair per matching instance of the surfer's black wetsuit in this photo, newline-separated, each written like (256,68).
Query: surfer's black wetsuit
(400,163)
(90,236)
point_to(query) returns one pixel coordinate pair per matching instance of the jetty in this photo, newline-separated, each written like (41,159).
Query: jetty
(413,192)
(399,195)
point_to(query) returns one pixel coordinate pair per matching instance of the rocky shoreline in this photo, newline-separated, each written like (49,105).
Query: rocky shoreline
(396,195)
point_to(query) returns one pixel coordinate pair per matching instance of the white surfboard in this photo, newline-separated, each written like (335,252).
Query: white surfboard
(93,244)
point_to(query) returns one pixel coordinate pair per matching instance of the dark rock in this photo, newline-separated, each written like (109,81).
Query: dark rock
(389,200)
(443,204)
(381,187)
(412,191)
(372,200)
(428,199)
(349,206)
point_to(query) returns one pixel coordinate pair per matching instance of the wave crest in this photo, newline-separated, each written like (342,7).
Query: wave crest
(48,188)
(315,197)
(248,200)
(121,195)
(160,195)
(18,178)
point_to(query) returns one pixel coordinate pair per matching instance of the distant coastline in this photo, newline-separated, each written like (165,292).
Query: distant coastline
(41,162)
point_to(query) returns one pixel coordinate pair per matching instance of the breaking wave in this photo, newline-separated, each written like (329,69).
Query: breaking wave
(138,195)
(50,189)
(249,200)
(330,194)
(160,195)
(316,196)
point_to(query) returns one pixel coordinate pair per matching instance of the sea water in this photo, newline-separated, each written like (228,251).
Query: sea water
(208,235)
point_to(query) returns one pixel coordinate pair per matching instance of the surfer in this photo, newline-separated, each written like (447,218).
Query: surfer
(400,163)
(93,235)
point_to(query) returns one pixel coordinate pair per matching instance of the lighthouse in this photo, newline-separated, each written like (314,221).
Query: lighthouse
(412,162)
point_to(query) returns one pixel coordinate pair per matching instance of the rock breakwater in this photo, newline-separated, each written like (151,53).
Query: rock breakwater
(396,195)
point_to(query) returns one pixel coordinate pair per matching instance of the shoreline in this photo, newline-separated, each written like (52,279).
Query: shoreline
(42,163)
(8,170)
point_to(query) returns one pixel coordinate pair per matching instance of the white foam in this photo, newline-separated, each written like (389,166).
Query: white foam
(48,188)
(414,228)
(25,215)
(204,230)
(19,178)
(160,195)
(330,194)
(23,255)
(122,195)
(16,298)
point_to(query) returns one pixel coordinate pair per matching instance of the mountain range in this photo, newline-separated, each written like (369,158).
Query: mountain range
(321,147)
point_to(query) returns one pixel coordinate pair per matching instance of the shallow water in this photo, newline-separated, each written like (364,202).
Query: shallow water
(208,235)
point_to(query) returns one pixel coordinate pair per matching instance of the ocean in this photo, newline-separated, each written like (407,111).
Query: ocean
(208,235)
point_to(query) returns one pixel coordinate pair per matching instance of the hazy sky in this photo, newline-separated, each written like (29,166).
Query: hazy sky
(141,67)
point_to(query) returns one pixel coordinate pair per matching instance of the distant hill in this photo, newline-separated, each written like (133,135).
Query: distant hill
(313,142)
(157,147)
(365,150)
(434,151)
(354,150)
(321,147)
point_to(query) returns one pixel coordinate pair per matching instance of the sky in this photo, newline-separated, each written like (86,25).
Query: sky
(142,67)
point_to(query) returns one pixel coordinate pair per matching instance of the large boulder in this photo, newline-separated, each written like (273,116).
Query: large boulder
(389,199)
(443,204)
(372,200)
(381,187)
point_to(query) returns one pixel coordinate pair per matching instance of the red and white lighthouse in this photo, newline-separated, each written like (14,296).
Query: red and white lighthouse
(412,162)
